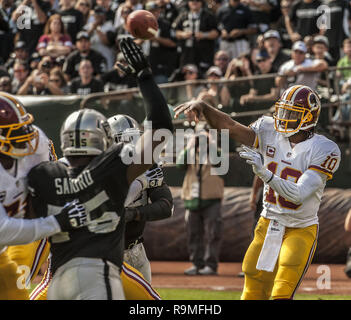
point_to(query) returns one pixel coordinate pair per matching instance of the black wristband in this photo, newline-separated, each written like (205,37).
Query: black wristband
(62,219)
(270,179)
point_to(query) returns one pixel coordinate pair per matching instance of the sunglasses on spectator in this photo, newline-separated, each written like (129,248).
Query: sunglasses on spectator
(261,60)
(189,72)
(126,11)
(299,52)
(84,4)
(19,70)
(46,65)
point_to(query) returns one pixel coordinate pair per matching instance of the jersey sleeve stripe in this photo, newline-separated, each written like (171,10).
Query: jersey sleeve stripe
(256,143)
(322,170)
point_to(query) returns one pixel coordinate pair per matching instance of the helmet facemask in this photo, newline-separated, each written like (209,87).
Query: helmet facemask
(19,139)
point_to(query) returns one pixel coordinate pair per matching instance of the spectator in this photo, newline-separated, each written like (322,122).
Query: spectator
(163,55)
(134,4)
(202,193)
(100,31)
(308,40)
(54,42)
(169,10)
(338,30)
(83,51)
(240,67)
(106,4)
(273,46)
(221,60)
(300,70)
(261,12)
(303,19)
(122,30)
(38,84)
(5,84)
(215,94)
(285,6)
(34,60)
(86,83)
(347,227)
(72,18)
(36,12)
(345,61)
(20,53)
(235,23)
(263,93)
(7,28)
(84,6)
(20,73)
(116,79)
(196,30)
(190,91)
(58,78)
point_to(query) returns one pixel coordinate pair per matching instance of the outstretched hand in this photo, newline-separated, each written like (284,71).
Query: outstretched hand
(135,58)
(192,109)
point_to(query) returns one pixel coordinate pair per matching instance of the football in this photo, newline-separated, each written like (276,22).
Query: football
(142,24)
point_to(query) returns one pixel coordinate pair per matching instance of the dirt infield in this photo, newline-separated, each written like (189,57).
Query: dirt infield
(170,275)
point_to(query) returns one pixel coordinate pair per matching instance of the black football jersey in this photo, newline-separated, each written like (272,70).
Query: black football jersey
(102,187)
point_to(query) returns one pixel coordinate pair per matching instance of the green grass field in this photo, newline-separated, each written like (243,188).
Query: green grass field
(191,294)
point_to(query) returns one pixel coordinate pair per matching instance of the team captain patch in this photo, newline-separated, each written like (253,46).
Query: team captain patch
(270,151)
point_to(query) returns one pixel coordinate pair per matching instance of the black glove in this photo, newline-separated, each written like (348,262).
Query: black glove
(130,214)
(72,216)
(137,62)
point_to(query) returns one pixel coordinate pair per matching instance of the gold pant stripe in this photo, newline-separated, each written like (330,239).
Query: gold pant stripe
(38,254)
(313,249)
(39,293)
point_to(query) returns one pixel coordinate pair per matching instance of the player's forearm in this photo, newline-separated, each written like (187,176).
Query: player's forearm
(20,231)
(220,120)
(156,106)
(298,192)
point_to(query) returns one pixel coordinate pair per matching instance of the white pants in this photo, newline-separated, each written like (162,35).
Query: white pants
(86,279)
(136,257)
(235,48)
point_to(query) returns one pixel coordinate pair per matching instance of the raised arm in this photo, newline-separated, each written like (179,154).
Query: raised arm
(217,120)
(156,107)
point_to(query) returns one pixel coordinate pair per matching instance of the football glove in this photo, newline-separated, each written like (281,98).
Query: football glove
(255,159)
(72,216)
(137,62)
(151,178)
(130,214)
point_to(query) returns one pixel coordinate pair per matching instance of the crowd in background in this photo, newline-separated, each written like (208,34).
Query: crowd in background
(56,47)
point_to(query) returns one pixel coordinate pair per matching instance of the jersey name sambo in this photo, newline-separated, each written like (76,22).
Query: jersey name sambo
(316,153)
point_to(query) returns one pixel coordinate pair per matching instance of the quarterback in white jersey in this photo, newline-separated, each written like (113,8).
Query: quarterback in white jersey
(294,163)
(316,153)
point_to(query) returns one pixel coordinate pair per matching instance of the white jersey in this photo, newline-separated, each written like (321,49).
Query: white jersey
(317,153)
(13,182)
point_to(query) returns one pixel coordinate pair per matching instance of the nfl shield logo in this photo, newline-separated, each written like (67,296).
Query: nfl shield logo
(270,151)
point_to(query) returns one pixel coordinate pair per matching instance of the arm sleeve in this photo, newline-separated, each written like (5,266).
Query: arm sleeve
(298,192)
(15,231)
(161,206)
(156,107)
(133,193)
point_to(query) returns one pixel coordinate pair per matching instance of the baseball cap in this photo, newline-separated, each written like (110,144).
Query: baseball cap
(214,70)
(20,45)
(271,34)
(83,35)
(299,45)
(321,39)
(262,55)
(190,67)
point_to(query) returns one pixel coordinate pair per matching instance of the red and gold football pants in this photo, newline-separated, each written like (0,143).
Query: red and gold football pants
(296,253)
(19,265)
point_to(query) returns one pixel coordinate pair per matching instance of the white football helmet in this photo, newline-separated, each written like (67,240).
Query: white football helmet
(124,129)
(85,133)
